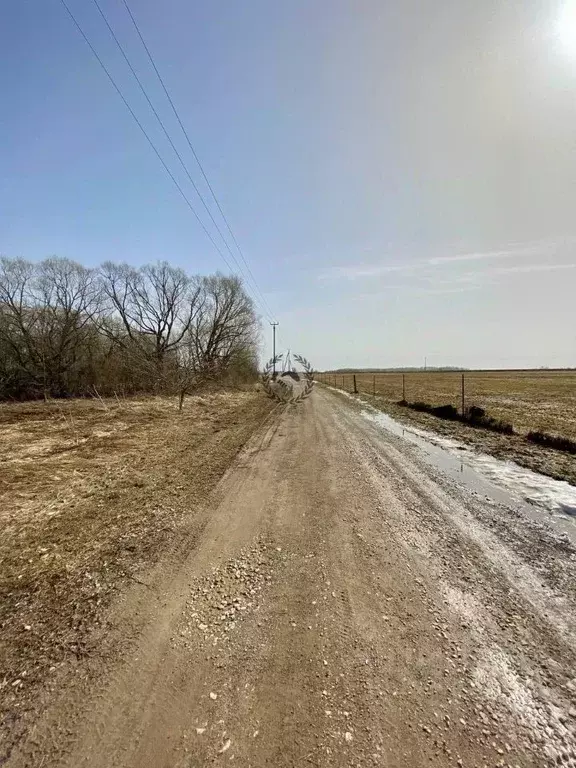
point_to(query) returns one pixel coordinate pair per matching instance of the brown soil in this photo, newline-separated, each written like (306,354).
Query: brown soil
(336,602)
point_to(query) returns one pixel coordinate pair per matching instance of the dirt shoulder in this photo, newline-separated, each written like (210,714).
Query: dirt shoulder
(92,493)
(556,464)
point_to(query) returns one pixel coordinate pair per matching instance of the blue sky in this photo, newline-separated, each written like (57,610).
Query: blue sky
(401,177)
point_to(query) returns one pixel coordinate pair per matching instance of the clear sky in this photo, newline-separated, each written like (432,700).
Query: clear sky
(401,176)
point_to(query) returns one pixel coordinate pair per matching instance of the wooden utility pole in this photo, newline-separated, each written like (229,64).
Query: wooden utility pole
(274,349)
(355,387)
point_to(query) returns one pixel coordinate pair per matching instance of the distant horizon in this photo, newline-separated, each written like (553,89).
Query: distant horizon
(444,369)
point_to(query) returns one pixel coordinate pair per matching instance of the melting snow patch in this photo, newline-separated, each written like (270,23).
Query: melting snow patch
(503,481)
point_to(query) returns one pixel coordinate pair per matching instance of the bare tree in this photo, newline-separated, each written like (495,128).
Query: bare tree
(20,363)
(66,329)
(153,307)
(225,330)
(222,338)
(45,310)
(68,300)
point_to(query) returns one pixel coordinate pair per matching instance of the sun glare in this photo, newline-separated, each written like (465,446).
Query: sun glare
(566,26)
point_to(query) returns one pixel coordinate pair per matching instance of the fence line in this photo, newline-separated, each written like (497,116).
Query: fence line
(355,384)
(501,390)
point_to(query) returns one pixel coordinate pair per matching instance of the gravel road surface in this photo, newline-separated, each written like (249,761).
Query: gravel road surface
(343,605)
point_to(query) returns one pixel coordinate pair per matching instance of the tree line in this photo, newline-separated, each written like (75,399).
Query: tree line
(67,330)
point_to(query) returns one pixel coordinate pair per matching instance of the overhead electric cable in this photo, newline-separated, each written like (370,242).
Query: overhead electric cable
(200,166)
(166,133)
(149,140)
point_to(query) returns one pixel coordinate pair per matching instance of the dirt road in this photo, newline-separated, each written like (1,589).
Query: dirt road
(341,606)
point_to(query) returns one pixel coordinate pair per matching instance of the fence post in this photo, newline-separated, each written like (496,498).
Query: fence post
(343,386)
(355,387)
(374,385)
(463,398)
(404,387)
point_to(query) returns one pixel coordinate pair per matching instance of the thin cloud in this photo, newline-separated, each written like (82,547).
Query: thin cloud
(356,271)
(520,250)
(480,256)
(483,276)
(466,279)
(428,269)
(359,271)
(447,289)
(471,280)
(529,268)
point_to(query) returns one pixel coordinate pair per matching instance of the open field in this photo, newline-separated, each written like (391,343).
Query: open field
(91,492)
(544,400)
(531,400)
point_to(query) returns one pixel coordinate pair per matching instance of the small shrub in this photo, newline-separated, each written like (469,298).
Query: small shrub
(477,417)
(475,413)
(420,406)
(446,412)
(494,425)
(556,442)
(442,411)
(474,416)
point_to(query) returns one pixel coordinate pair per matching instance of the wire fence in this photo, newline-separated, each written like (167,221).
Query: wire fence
(529,399)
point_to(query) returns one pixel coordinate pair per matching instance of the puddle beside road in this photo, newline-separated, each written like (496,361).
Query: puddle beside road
(540,497)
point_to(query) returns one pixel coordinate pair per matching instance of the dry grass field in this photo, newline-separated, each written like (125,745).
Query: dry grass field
(90,491)
(531,400)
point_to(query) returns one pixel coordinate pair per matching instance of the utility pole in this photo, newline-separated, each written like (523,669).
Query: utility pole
(274,349)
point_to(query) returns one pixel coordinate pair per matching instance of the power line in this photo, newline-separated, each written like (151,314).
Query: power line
(185,132)
(147,137)
(149,140)
(165,131)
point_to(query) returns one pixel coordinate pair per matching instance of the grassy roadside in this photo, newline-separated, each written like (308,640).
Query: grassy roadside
(91,492)
(561,466)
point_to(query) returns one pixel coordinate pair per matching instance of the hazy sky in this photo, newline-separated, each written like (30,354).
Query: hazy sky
(400,175)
